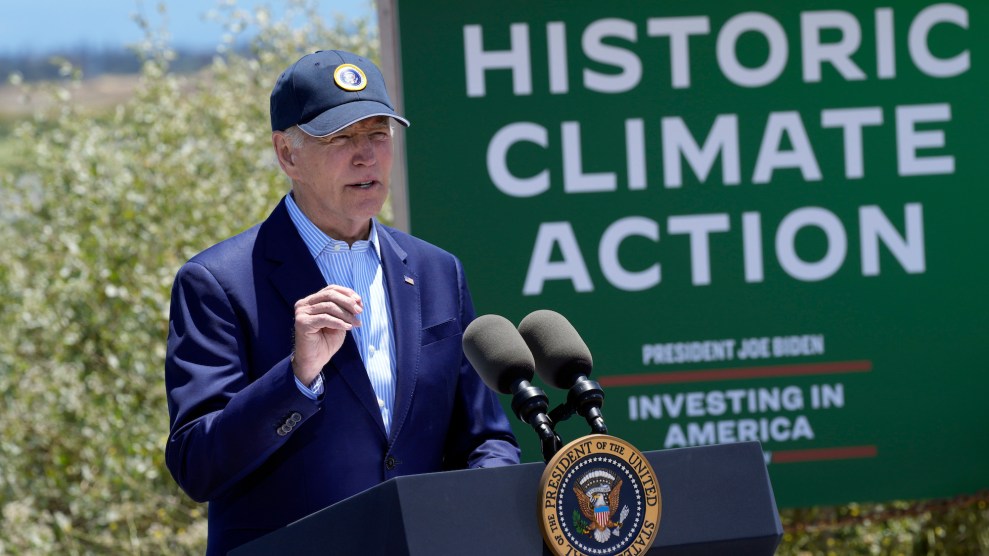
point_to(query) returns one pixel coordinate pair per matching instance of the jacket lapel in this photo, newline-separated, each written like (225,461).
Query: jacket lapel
(295,276)
(406,315)
(294,273)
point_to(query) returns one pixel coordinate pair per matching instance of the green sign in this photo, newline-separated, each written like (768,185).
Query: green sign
(763,218)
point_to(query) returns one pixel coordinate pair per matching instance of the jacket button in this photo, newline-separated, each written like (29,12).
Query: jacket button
(390,463)
(295,417)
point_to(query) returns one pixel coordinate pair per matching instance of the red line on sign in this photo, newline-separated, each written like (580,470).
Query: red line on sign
(822,454)
(741,373)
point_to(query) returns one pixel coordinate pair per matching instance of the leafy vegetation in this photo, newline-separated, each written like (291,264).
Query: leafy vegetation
(958,527)
(97,212)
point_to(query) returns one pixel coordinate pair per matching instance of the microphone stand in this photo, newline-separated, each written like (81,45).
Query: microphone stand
(585,398)
(530,404)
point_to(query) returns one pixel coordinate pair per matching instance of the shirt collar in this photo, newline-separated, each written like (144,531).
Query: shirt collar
(317,241)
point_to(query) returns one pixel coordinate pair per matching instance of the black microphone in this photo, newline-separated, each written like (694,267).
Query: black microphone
(503,361)
(563,361)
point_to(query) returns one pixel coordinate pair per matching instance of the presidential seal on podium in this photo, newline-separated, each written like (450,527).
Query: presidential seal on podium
(599,496)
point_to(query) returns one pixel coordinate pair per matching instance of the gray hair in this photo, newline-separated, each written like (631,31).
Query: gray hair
(296,137)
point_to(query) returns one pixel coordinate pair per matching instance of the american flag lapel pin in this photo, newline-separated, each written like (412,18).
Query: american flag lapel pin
(409,280)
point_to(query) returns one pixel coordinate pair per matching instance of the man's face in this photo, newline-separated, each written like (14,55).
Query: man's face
(342,179)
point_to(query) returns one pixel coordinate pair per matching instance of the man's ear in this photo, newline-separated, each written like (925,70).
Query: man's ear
(284,152)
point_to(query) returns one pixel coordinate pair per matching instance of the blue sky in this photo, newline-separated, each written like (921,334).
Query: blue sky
(42,26)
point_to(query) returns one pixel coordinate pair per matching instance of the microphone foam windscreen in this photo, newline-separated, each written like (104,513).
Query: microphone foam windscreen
(559,352)
(498,353)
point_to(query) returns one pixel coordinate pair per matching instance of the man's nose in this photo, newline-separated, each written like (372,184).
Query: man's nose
(364,150)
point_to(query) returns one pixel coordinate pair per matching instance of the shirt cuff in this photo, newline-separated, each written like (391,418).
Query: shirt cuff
(314,390)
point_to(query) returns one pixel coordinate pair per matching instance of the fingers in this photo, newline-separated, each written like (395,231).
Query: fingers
(315,324)
(333,292)
(331,307)
(329,315)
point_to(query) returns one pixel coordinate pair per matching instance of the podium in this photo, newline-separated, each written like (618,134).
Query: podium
(716,500)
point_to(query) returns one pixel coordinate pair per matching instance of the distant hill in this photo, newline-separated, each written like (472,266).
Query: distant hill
(93,62)
(97,93)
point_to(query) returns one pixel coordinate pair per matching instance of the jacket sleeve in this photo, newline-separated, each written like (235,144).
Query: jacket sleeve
(480,435)
(224,422)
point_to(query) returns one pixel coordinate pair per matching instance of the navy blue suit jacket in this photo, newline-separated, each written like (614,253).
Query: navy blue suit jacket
(243,436)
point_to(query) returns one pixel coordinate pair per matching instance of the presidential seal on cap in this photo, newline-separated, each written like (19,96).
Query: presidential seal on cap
(328,90)
(349,77)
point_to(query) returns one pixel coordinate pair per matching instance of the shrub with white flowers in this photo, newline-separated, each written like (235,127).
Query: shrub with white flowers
(96,215)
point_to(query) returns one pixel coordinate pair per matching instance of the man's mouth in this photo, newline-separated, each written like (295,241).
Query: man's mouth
(363,184)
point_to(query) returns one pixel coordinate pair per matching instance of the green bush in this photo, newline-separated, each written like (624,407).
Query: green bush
(957,527)
(96,215)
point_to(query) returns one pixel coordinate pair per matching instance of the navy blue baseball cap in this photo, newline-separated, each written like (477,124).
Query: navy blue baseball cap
(327,91)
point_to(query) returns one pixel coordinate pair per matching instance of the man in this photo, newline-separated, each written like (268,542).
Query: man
(319,353)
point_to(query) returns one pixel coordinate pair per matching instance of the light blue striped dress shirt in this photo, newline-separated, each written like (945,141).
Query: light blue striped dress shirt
(357,267)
